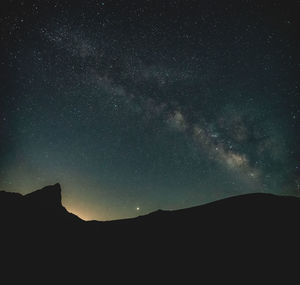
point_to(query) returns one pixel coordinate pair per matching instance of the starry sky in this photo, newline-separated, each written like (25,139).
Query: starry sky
(134,106)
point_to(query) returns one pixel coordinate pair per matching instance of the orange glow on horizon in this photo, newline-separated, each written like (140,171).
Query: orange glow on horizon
(82,213)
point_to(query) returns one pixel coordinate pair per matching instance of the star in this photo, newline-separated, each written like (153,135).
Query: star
(159,112)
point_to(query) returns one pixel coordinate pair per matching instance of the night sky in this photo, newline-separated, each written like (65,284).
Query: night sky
(134,106)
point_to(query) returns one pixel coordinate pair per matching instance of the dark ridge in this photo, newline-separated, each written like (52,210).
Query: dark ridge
(41,208)
(49,196)
(247,228)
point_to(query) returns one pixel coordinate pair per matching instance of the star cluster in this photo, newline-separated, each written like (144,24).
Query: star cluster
(138,105)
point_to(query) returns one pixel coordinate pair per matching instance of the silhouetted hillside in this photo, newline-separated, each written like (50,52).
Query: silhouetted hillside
(42,207)
(247,227)
(250,212)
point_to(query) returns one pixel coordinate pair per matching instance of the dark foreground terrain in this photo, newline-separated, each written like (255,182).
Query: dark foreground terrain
(249,233)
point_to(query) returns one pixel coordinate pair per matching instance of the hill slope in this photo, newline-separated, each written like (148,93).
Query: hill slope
(256,227)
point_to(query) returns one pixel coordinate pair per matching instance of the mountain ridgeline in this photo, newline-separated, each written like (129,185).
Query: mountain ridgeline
(242,227)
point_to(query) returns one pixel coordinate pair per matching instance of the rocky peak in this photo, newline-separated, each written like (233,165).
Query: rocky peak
(49,196)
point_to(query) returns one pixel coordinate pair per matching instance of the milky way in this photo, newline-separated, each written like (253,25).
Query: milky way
(144,105)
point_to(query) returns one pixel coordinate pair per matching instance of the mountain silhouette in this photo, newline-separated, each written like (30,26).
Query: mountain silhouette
(242,227)
(41,207)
